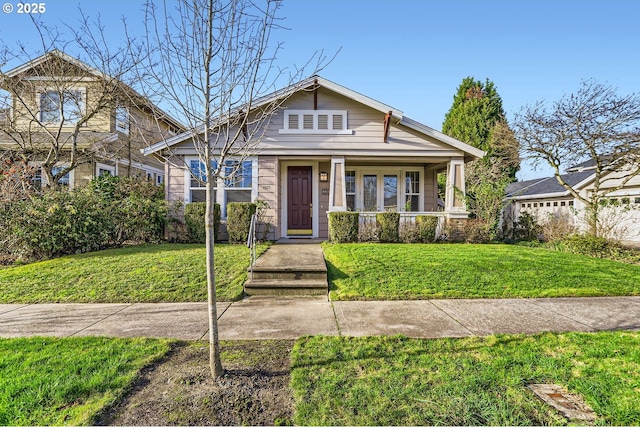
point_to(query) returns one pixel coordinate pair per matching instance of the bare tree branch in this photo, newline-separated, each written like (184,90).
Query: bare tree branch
(594,124)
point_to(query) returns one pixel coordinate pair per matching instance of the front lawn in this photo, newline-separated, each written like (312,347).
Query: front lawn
(399,271)
(149,273)
(52,381)
(470,381)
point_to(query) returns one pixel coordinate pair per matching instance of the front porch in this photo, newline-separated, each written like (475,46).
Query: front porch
(308,189)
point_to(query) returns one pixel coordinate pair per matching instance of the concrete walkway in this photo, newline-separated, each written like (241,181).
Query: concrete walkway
(269,318)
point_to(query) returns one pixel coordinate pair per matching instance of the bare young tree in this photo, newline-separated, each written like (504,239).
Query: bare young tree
(212,61)
(595,124)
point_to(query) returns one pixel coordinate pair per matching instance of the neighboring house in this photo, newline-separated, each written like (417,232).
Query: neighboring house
(545,197)
(58,103)
(332,149)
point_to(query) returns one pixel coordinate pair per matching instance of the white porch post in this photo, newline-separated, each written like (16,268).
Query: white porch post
(220,195)
(337,189)
(455,202)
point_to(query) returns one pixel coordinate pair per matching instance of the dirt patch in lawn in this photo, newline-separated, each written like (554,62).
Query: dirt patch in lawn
(180,389)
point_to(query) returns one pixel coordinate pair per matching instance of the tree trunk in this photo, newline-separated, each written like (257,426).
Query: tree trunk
(214,345)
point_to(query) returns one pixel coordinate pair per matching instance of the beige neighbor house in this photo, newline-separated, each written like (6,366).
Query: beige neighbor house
(56,101)
(543,198)
(332,149)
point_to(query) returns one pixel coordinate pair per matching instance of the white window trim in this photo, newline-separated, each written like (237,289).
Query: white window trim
(41,91)
(381,172)
(330,113)
(111,169)
(221,189)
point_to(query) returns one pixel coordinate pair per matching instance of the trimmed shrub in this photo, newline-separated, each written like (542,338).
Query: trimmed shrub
(343,227)
(388,225)
(239,220)
(194,220)
(427,226)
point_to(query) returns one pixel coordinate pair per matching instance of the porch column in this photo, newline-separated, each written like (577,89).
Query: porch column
(337,190)
(455,188)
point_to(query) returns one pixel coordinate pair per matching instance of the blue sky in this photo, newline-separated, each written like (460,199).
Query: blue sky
(413,54)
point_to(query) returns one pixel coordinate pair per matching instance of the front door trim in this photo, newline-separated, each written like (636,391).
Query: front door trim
(284,165)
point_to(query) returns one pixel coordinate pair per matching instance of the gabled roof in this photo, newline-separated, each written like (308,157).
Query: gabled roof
(55,54)
(94,72)
(397,115)
(548,186)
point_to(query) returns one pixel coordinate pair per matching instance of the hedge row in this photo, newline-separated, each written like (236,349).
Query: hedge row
(109,212)
(345,227)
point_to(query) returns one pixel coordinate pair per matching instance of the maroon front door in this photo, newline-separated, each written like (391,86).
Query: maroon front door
(299,199)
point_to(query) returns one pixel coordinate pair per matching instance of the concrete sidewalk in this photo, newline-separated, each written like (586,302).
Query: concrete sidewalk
(288,318)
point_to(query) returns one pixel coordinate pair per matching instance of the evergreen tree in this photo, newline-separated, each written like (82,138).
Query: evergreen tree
(476,109)
(478,119)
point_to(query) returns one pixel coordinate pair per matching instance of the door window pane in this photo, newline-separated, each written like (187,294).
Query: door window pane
(391,193)
(370,193)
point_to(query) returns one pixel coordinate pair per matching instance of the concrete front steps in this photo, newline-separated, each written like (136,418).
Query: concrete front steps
(289,268)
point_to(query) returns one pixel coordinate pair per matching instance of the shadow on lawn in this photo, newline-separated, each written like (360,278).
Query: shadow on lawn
(334,273)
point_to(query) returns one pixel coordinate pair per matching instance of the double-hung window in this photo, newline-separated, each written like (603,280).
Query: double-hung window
(238,180)
(197,182)
(412,191)
(350,186)
(236,175)
(62,106)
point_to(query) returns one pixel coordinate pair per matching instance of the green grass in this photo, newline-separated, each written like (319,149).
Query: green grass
(470,381)
(150,273)
(52,381)
(398,271)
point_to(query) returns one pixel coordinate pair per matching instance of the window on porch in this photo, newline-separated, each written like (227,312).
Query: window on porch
(375,190)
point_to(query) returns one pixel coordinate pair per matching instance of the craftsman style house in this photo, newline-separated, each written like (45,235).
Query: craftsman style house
(63,116)
(329,149)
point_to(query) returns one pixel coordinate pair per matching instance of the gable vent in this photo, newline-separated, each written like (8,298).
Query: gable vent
(293,121)
(332,122)
(307,123)
(323,122)
(338,123)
